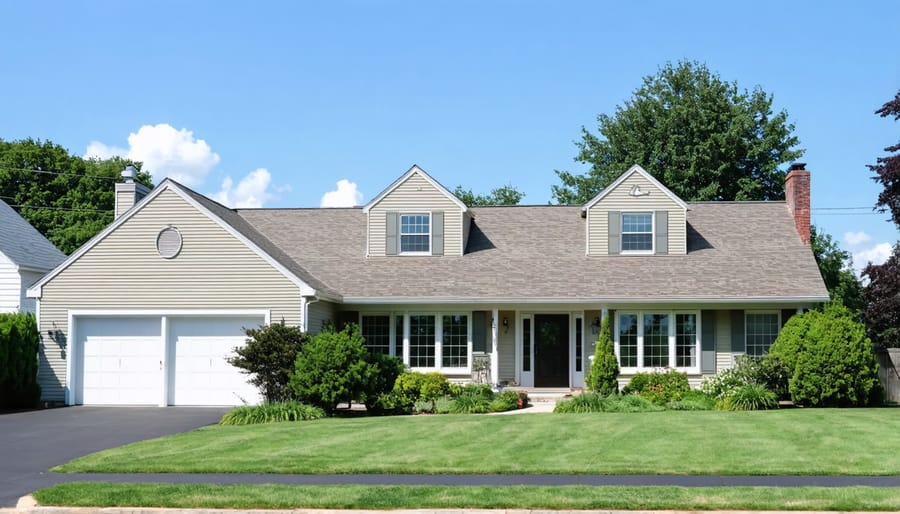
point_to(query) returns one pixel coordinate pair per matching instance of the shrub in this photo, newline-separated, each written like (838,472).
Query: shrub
(443,405)
(767,370)
(434,385)
(604,372)
(836,364)
(271,413)
(19,343)
(383,373)
(470,404)
(388,403)
(581,403)
(659,387)
(269,357)
(332,368)
(630,403)
(748,397)
(506,400)
(482,390)
(705,404)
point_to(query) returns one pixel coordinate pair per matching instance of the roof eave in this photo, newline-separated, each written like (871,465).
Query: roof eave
(419,300)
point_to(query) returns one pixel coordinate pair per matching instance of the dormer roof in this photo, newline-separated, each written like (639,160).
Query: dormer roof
(412,171)
(636,169)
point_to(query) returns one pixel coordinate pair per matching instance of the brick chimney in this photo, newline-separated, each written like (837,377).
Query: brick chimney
(129,192)
(796,194)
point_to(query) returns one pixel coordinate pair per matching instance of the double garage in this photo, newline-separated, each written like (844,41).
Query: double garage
(159,359)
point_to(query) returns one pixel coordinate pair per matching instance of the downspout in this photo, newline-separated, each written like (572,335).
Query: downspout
(306,305)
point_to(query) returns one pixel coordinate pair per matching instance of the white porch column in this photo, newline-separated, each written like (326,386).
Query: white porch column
(495,355)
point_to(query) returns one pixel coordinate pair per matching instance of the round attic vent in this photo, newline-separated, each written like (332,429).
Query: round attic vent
(168,242)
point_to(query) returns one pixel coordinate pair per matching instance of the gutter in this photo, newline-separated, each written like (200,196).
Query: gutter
(381,300)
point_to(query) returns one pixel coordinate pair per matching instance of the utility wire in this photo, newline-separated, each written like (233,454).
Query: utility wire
(48,172)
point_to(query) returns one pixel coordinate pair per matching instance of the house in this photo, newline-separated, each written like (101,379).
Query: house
(25,256)
(146,311)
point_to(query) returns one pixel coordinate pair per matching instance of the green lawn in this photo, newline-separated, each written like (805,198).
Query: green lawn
(794,441)
(509,497)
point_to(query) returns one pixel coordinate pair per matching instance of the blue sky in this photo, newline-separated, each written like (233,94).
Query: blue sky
(267,103)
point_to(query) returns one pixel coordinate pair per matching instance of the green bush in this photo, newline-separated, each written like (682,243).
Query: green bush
(423,406)
(389,403)
(705,404)
(269,357)
(594,402)
(604,372)
(383,373)
(767,370)
(444,405)
(659,387)
(835,365)
(470,404)
(332,368)
(581,404)
(630,403)
(271,413)
(748,397)
(506,400)
(434,385)
(19,343)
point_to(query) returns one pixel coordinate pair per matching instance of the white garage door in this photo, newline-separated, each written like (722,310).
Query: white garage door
(120,361)
(200,373)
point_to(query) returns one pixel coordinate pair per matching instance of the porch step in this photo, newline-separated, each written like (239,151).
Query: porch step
(547,394)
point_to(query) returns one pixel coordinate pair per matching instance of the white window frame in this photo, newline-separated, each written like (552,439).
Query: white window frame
(400,233)
(652,234)
(747,314)
(438,342)
(671,337)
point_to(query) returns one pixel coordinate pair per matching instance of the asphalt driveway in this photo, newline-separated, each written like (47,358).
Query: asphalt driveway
(33,442)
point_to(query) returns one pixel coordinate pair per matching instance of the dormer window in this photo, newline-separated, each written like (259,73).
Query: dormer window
(415,233)
(637,232)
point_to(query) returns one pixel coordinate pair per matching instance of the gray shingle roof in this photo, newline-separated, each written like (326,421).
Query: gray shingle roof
(736,250)
(23,244)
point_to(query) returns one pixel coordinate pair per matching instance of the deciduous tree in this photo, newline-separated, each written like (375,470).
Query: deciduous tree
(506,195)
(702,137)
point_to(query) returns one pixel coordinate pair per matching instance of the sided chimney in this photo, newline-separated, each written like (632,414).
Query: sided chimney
(129,192)
(796,194)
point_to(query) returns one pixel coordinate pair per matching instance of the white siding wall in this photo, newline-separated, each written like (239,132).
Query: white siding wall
(123,271)
(619,200)
(10,286)
(416,195)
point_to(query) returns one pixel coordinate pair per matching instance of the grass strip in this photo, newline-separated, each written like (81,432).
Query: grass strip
(790,442)
(100,494)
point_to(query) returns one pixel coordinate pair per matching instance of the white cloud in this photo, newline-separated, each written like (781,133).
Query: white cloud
(251,191)
(165,152)
(875,255)
(346,195)
(856,238)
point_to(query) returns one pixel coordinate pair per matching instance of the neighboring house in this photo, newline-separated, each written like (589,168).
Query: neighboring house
(25,256)
(146,311)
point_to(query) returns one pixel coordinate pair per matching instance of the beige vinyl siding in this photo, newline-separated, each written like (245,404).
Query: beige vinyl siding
(619,200)
(214,270)
(10,285)
(506,347)
(320,314)
(416,194)
(724,357)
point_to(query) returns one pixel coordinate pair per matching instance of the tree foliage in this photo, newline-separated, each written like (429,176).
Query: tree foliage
(882,293)
(67,198)
(269,357)
(700,136)
(604,372)
(836,267)
(506,195)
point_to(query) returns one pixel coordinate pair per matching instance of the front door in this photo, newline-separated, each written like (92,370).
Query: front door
(551,350)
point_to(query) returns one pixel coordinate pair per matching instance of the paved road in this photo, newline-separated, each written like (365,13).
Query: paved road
(33,442)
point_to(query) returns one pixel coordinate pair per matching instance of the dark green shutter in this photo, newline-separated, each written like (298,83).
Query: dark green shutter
(437,233)
(708,341)
(391,245)
(615,232)
(662,232)
(738,342)
(479,329)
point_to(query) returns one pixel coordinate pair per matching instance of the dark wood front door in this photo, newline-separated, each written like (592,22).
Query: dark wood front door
(551,350)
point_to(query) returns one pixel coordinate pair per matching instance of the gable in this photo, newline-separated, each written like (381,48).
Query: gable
(636,192)
(416,193)
(23,245)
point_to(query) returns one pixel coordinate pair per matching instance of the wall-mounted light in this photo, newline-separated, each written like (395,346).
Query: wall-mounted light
(505,325)
(595,325)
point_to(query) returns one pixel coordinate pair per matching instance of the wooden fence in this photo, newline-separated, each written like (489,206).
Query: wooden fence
(889,373)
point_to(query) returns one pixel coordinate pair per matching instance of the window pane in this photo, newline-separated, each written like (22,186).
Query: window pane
(578,344)
(637,231)
(656,340)
(398,335)
(376,330)
(628,333)
(685,340)
(762,329)
(526,344)
(455,341)
(421,341)
(415,230)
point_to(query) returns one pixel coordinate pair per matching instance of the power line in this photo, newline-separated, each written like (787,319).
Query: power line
(48,172)
(51,208)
